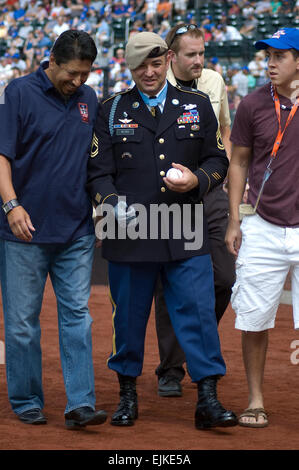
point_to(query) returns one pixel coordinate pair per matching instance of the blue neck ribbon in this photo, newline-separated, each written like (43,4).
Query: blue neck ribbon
(155,101)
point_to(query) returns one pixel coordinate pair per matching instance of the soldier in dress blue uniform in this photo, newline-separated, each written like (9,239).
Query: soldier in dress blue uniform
(139,135)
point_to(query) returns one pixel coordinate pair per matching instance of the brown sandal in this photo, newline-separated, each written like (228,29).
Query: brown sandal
(254,413)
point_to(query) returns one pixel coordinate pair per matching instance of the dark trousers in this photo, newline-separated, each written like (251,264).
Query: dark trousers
(172,356)
(189,295)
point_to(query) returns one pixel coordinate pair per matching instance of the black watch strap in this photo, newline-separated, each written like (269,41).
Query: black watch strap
(9,205)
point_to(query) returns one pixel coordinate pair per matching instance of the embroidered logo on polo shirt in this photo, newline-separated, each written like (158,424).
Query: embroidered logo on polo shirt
(83,108)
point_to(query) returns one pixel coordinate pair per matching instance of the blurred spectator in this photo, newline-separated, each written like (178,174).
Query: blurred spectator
(164,10)
(93,19)
(240,81)
(120,86)
(41,12)
(5,70)
(218,34)
(249,26)
(149,26)
(16,72)
(258,68)
(287,6)
(120,10)
(138,27)
(43,39)
(18,62)
(123,74)
(207,29)
(230,33)
(119,55)
(247,10)
(57,8)
(180,7)
(103,30)
(251,80)
(276,6)
(140,9)
(213,64)
(25,29)
(95,79)
(164,28)
(3,29)
(19,12)
(82,23)
(263,7)
(235,103)
(60,26)
(150,9)
(234,8)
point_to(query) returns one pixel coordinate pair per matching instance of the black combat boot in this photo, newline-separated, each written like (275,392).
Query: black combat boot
(209,411)
(127,410)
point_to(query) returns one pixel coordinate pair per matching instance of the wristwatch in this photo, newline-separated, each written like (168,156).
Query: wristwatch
(9,205)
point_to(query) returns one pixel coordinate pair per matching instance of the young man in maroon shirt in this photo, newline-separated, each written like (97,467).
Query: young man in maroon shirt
(264,135)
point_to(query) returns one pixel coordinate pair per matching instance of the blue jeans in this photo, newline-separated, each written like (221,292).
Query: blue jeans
(24,268)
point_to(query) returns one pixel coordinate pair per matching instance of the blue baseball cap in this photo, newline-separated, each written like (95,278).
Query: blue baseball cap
(284,38)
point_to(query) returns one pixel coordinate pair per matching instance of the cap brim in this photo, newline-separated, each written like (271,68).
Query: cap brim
(271,43)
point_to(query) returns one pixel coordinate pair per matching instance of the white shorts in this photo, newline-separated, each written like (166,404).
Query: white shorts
(266,255)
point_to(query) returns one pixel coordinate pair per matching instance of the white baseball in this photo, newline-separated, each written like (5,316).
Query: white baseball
(174,173)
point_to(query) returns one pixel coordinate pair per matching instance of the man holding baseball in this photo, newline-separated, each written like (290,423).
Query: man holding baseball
(187,46)
(139,135)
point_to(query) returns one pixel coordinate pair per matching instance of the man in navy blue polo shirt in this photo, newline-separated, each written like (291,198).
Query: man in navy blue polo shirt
(46,127)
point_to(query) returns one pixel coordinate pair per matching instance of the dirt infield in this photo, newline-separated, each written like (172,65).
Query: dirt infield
(164,423)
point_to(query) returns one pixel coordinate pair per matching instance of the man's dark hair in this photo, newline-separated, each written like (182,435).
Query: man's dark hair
(72,45)
(295,53)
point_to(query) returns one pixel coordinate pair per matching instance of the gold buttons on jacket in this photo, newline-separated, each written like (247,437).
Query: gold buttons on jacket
(163,189)
(162,156)
(162,173)
(161,141)
(191,135)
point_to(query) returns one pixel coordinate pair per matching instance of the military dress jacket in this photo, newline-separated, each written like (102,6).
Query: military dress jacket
(130,155)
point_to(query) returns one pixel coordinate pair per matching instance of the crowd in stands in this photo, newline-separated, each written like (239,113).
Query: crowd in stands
(28,29)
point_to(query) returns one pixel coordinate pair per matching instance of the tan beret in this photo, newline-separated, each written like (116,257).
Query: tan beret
(140,45)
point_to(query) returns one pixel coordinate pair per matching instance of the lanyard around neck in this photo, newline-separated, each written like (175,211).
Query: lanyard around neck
(281,132)
(277,141)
